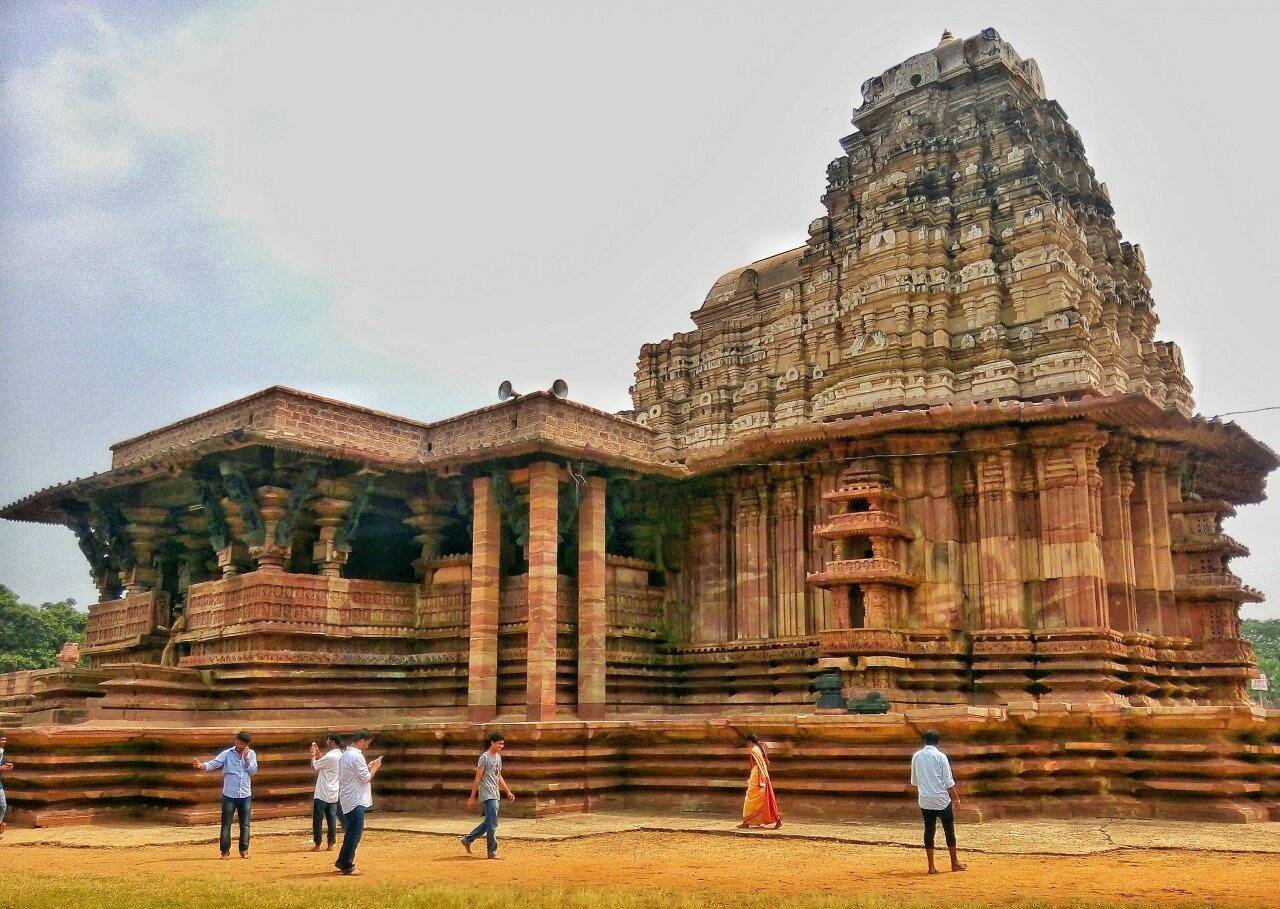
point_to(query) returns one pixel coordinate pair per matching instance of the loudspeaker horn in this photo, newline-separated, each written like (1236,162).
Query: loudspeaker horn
(506,392)
(560,388)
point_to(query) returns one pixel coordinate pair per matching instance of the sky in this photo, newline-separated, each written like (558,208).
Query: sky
(402,204)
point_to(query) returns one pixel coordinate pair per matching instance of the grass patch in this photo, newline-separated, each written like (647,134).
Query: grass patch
(45,891)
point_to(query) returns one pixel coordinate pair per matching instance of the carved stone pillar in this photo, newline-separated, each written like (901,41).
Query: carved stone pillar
(330,509)
(269,553)
(428,525)
(544,494)
(591,601)
(482,662)
(145,528)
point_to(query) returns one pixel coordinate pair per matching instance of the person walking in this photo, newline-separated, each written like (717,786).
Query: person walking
(324,806)
(487,783)
(936,794)
(760,807)
(355,796)
(4,768)
(238,765)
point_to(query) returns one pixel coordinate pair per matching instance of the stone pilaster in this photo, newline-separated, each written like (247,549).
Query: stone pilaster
(751,556)
(1117,535)
(591,600)
(544,493)
(1073,589)
(788,557)
(482,661)
(998,556)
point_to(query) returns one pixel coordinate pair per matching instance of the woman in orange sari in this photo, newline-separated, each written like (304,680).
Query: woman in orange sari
(760,809)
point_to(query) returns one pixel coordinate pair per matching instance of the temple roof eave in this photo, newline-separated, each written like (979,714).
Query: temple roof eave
(45,506)
(1233,469)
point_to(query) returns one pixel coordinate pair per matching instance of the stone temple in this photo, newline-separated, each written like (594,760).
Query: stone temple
(934,461)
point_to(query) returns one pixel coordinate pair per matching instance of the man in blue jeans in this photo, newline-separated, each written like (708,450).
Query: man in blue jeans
(238,764)
(4,768)
(355,796)
(486,784)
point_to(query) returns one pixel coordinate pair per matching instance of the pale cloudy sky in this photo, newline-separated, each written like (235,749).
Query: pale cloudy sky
(400,204)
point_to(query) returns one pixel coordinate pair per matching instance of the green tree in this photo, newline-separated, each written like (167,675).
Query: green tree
(1265,638)
(31,636)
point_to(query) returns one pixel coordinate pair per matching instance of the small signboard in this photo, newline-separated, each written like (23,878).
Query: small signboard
(1259,683)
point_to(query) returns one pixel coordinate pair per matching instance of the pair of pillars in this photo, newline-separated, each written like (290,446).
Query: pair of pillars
(540,692)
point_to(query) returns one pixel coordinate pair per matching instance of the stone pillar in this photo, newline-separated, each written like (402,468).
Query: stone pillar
(144,530)
(428,525)
(269,555)
(998,556)
(591,601)
(330,509)
(544,494)
(482,662)
(235,552)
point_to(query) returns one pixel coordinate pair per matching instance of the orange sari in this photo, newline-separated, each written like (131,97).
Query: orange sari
(760,809)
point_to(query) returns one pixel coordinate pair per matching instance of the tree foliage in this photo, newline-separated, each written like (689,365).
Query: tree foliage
(31,636)
(1265,638)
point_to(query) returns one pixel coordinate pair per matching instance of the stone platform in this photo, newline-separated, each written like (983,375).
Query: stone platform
(1202,763)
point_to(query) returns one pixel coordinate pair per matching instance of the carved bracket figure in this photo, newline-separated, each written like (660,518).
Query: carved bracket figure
(238,491)
(215,516)
(298,496)
(351,520)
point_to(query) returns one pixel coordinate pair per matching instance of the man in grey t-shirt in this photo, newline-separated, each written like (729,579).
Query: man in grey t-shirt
(488,783)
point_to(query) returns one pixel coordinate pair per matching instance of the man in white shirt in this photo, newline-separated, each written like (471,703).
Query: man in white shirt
(355,796)
(324,807)
(936,793)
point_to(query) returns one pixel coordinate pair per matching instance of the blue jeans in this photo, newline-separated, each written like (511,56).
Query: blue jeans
(352,830)
(241,807)
(322,814)
(4,805)
(488,827)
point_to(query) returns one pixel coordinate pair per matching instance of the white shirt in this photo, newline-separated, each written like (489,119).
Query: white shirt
(931,775)
(353,781)
(327,775)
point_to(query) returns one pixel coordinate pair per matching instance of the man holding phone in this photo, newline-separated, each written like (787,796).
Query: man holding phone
(355,796)
(238,765)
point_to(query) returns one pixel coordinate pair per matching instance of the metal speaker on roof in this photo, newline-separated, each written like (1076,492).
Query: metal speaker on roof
(506,392)
(560,388)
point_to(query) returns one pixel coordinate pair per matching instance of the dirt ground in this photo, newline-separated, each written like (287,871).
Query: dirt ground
(623,867)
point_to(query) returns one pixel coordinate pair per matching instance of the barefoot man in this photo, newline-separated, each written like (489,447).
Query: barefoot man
(324,807)
(486,784)
(936,792)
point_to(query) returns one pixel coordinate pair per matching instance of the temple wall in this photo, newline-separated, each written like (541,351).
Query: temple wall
(1061,549)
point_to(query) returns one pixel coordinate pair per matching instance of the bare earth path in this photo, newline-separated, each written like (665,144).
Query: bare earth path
(631,860)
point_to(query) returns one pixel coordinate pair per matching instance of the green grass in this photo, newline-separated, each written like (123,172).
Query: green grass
(48,891)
